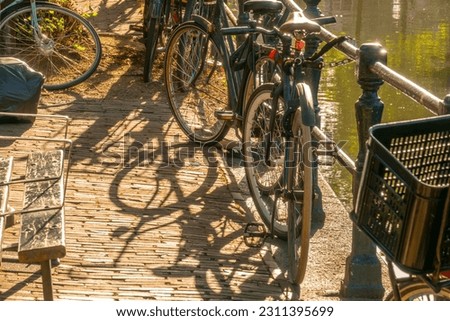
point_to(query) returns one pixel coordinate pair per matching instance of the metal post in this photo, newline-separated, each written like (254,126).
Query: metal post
(363,270)
(243,17)
(313,74)
(446,104)
(47,284)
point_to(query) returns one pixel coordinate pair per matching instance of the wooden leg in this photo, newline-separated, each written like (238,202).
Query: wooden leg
(47,285)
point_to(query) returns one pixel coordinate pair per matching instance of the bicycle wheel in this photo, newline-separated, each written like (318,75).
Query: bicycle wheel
(67,50)
(266,71)
(196,83)
(264,157)
(282,191)
(157,29)
(300,194)
(417,290)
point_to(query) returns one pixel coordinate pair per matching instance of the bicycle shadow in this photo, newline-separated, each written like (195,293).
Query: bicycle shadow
(205,235)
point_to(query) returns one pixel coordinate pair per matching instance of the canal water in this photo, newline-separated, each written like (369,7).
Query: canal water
(416,35)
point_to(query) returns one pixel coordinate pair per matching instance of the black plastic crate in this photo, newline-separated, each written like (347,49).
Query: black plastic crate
(403,192)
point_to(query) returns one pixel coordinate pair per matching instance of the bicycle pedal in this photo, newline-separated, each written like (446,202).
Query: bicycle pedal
(255,234)
(226,115)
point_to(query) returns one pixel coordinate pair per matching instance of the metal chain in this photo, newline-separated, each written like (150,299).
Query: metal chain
(337,63)
(345,61)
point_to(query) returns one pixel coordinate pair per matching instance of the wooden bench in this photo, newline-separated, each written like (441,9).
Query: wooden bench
(42,238)
(5,177)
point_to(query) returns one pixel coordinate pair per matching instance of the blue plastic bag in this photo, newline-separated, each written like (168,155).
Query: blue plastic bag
(20,89)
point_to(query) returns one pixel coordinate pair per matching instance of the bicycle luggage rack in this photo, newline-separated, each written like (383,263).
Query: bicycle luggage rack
(403,202)
(255,234)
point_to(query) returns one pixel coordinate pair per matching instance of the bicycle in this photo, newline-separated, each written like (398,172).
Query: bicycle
(279,154)
(201,70)
(206,77)
(403,205)
(51,39)
(162,16)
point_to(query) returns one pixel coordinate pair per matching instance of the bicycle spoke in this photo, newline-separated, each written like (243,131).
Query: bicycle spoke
(196,84)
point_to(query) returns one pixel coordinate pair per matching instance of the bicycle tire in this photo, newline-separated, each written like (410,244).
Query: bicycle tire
(146,18)
(286,202)
(151,44)
(157,31)
(264,178)
(196,83)
(69,51)
(300,203)
(417,290)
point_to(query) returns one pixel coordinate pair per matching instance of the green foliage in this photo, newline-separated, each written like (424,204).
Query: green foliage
(60,27)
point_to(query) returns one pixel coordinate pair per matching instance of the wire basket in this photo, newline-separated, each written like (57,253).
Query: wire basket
(404,200)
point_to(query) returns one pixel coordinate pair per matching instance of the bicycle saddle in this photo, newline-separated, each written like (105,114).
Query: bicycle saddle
(297,21)
(263,6)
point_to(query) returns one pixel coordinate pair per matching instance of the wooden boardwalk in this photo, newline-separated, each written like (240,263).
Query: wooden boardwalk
(161,226)
(148,214)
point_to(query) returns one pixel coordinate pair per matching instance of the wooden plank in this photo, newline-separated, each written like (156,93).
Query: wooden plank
(5,176)
(42,232)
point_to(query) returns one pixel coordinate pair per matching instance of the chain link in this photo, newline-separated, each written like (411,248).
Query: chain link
(337,63)
(343,62)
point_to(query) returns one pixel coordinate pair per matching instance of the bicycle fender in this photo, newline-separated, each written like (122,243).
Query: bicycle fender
(306,104)
(203,22)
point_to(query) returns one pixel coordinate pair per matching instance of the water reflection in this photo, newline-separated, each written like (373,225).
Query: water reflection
(416,34)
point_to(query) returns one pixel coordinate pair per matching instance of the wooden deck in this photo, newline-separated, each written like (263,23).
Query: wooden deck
(148,216)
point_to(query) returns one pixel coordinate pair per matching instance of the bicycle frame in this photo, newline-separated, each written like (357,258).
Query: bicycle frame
(291,76)
(223,34)
(283,189)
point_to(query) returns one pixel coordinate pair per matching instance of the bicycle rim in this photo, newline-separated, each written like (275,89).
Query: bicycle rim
(67,53)
(196,83)
(264,177)
(300,199)
(417,290)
